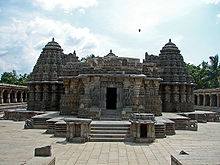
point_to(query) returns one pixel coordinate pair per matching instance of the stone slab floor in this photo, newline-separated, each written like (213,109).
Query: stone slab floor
(17,146)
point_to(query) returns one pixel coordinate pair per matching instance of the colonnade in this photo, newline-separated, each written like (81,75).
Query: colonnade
(177,97)
(44,96)
(207,99)
(12,93)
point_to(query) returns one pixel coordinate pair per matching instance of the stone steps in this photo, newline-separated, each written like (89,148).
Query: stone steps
(110,118)
(110,114)
(110,128)
(105,135)
(107,139)
(13,106)
(109,132)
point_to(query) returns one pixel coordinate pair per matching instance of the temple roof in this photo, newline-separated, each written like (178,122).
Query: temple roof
(52,45)
(170,47)
(111,54)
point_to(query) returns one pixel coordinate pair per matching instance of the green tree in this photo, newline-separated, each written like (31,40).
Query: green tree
(13,78)
(205,75)
(88,57)
(213,71)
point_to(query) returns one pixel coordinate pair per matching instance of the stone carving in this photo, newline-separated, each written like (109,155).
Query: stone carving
(61,82)
(142,127)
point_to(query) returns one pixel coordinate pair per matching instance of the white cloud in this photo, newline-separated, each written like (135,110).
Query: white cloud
(218,15)
(3,52)
(211,1)
(82,11)
(24,41)
(67,5)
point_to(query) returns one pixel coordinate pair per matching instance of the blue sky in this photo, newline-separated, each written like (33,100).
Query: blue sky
(96,26)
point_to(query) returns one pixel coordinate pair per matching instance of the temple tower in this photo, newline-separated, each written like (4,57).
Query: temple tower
(44,86)
(176,89)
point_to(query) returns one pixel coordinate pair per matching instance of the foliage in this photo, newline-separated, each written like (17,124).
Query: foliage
(13,78)
(88,57)
(206,75)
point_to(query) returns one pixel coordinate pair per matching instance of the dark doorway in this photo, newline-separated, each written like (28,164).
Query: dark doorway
(18,96)
(143,131)
(111,98)
(5,96)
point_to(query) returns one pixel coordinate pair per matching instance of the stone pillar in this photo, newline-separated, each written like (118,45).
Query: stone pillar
(188,99)
(1,96)
(126,94)
(15,97)
(167,93)
(31,93)
(45,92)
(198,99)
(54,93)
(66,86)
(137,87)
(74,86)
(176,93)
(8,100)
(191,95)
(38,93)
(204,100)
(54,100)
(217,100)
(46,100)
(138,130)
(21,99)
(211,100)
(183,93)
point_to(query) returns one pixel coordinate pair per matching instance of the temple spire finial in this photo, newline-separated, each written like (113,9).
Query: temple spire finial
(53,39)
(169,40)
(110,50)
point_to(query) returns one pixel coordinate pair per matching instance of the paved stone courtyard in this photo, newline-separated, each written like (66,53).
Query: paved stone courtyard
(17,146)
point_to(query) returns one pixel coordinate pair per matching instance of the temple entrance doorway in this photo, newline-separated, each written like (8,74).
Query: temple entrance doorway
(111,98)
(143,131)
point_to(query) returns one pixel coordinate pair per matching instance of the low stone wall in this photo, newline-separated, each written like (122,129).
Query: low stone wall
(60,129)
(174,161)
(160,130)
(41,161)
(78,129)
(20,115)
(203,116)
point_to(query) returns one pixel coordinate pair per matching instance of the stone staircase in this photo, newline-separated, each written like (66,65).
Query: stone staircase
(110,114)
(109,131)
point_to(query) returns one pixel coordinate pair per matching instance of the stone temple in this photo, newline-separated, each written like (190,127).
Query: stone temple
(114,85)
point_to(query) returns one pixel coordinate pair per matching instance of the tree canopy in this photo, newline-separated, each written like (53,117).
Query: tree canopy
(13,78)
(88,57)
(206,75)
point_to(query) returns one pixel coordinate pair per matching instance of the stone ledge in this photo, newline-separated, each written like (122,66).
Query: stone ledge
(41,161)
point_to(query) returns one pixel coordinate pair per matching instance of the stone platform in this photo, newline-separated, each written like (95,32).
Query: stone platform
(20,114)
(203,116)
(112,130)
(203,147)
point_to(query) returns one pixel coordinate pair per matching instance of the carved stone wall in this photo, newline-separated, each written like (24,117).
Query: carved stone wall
(85,95)
(176,89)
(61,82)
(45,88)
